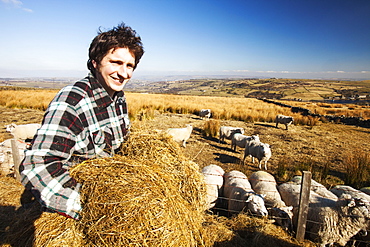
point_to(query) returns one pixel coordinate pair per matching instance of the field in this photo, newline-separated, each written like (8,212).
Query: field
(324,148)
(278,88)
(330,151)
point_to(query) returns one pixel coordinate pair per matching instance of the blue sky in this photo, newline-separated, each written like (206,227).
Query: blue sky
(272,38)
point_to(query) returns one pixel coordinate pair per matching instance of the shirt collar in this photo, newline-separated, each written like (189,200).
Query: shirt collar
(102,98)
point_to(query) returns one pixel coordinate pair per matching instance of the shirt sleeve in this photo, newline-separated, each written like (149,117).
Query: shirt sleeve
(45,168)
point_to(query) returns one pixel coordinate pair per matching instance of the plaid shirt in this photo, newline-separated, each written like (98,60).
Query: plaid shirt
(81,122)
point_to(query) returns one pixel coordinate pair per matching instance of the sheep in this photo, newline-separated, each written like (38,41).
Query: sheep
(259,150)
(205,113)
(336,221)
(228,132)
(286,120)
(240,194)
(345,189)
(213,177)
(366,190)
(318,188)
(329,221)
(240,140)
(264,183)
(180,134)
(290,192)
(21,145)
(6,156)
(23,131)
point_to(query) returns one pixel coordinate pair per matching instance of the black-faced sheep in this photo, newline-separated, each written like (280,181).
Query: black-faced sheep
(286,120)
(205,113)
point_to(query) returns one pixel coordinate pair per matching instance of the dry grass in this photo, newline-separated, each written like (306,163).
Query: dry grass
(32,99)
(143,106)
(317,147)
(149,196)
(348,110)
(358,168)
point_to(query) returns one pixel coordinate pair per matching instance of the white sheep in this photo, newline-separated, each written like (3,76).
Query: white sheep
(6,155)
(23,131)
(228,132)
(328,221)
(290,192)
(205,113)
(259,150)
(286,120)
(264,183)
(240,194)
(8,144)
(345,189)
(318,188)
(214,180)
(366,190)
(180,134)
(241,140)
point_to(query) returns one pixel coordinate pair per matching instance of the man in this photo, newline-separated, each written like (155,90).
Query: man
(87,119)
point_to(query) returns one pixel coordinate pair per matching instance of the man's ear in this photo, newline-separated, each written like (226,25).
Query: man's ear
(94,63)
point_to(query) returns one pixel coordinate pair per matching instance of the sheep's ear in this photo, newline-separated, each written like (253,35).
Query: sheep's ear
(351,203)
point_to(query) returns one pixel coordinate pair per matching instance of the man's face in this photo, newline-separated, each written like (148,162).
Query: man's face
(115,69)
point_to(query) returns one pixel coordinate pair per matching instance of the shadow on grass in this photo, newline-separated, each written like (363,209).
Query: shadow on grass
(17,227)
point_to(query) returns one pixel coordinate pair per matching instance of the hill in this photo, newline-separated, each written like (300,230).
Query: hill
(304,89)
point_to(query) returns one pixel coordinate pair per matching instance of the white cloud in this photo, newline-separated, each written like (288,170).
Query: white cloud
(16,4)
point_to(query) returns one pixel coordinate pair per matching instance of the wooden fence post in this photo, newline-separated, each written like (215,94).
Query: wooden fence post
(16,159)
(303,205)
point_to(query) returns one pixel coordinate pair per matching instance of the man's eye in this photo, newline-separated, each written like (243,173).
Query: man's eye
(117,62)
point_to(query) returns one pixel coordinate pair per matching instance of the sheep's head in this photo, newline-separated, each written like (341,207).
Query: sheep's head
(283,217)
(256,204)
(10,127)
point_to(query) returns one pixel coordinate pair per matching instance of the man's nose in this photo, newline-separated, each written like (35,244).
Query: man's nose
(123,72)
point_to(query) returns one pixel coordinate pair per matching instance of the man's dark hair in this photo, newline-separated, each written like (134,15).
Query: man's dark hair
(121,36)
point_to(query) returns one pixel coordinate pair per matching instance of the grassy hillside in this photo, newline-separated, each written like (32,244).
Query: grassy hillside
(270,88)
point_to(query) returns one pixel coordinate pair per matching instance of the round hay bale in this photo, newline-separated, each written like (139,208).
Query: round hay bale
(149,196)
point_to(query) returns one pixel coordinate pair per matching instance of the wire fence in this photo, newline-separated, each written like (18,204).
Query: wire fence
(319,197)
